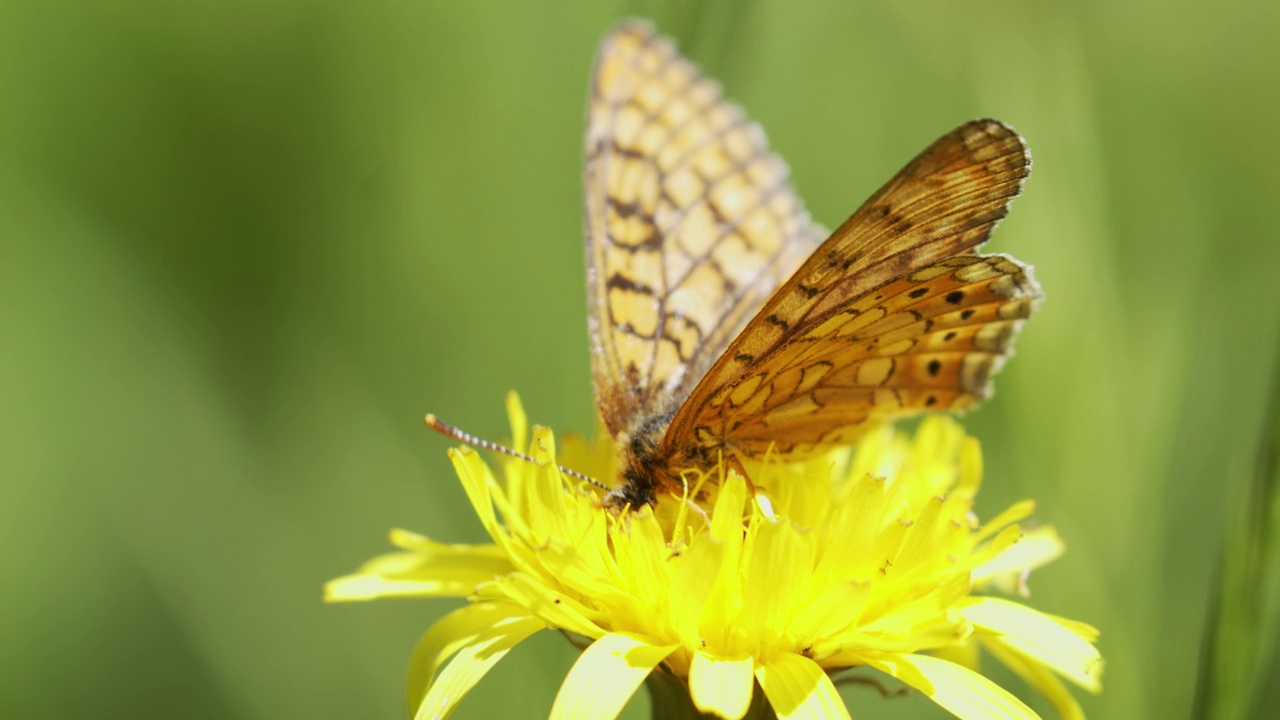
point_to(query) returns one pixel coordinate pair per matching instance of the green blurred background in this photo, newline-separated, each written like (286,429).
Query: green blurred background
(244,247)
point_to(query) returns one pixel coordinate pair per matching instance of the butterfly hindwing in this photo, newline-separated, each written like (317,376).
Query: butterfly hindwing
(691,224)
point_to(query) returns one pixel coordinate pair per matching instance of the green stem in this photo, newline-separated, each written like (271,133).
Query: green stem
(670,698)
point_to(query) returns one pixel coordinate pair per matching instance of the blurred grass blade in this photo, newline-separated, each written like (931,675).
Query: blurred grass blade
(1241,626)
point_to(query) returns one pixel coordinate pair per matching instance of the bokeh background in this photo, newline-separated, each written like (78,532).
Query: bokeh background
(244,247)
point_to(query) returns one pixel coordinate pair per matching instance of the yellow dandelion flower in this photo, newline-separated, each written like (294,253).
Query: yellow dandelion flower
(862,558)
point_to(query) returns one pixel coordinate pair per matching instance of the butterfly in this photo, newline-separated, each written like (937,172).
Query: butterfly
(724,322)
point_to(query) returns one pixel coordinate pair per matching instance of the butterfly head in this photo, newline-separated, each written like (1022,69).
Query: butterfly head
(651,467)
(635,490)
(642,464)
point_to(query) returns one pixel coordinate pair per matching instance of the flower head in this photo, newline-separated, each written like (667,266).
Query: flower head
(870,557)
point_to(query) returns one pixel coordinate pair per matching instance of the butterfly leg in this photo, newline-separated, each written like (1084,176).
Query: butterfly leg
(759,494)
(688,500)
(732,463)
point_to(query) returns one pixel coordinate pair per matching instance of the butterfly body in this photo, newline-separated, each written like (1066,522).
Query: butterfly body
(644,465)
(723,321)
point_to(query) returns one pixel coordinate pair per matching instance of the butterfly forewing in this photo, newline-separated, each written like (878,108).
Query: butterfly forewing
(691,225)
(887,318)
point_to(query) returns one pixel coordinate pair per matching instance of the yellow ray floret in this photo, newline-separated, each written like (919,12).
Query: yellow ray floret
(869,558)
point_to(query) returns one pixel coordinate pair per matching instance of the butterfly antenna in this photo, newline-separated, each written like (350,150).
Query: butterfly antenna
(448,430)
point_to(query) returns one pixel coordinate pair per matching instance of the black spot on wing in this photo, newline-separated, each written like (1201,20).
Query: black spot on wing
(618,281)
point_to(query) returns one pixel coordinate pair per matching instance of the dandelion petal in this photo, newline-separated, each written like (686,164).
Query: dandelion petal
(450,633)
(798,688)
(558,611)
(1037,676)
(425,571)
(963,692)
(1038,546)
(606,675)
(472,662)
(1037,636)
(721,686)
(476,478)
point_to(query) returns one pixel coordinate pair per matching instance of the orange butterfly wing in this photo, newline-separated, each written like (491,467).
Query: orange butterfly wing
(889,317)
